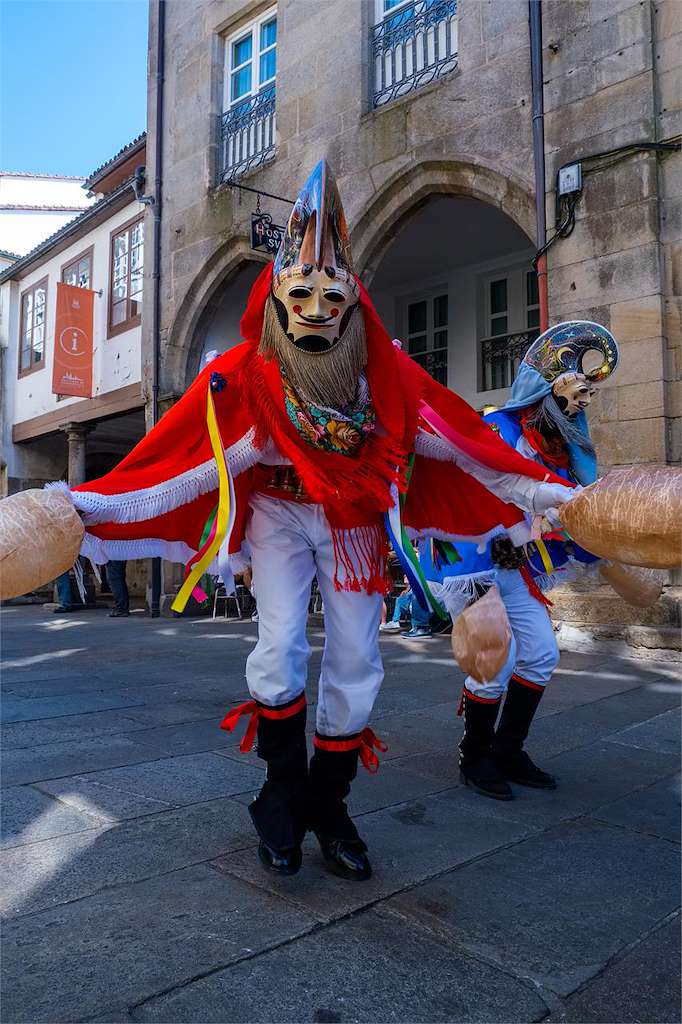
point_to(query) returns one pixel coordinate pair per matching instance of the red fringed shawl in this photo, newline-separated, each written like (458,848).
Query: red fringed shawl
(157,500)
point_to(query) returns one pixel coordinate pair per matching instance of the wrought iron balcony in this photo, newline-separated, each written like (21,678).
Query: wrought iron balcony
(500,357)
(248,135)
(411,47)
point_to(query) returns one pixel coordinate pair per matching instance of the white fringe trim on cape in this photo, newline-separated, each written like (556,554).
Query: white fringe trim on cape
(150,502)
(456,592)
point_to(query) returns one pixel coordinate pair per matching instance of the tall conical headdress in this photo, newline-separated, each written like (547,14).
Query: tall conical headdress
(562,349)
(317,233)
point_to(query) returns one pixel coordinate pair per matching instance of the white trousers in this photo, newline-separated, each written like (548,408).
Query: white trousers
(290,544)
(533,651)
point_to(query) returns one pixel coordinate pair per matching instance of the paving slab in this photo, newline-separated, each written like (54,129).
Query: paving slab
(185,738)
(129,943)
(613,712)
(660,733)
(60,760)
(367,969)
(109,803)
(29,816)
(70,867)
(170,781)
(62,730)
(654,810)
(27,709)
(407,844)
(643,986)
(584,900)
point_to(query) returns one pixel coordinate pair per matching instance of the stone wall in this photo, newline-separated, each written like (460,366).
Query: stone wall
(604,90)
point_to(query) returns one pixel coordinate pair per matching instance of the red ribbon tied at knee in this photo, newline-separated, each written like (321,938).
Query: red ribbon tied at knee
(230,720)
(369,742)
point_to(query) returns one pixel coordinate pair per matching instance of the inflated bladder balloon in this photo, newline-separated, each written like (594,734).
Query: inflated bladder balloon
(633,516)
(40,537)
(481,637)
(638,587)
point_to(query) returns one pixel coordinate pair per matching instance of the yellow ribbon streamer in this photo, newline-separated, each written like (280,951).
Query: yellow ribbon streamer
(222,515)
(544,555)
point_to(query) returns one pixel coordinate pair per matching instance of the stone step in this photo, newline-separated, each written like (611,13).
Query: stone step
(600,605)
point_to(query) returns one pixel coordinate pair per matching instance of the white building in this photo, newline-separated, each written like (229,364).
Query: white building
(34,206)
(47,436)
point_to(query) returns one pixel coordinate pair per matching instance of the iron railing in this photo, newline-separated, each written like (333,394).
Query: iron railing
(412,47)
(500,357)
(248,135)
(435,362)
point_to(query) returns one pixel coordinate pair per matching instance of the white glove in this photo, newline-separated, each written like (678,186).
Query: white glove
(548,496)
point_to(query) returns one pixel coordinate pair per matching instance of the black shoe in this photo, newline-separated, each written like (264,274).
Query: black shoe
(118,615)
(280,862)
(483,776)
(62,610)
(346,859)
(520,768)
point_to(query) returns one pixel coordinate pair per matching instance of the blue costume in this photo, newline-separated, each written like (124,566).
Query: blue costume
(533,653)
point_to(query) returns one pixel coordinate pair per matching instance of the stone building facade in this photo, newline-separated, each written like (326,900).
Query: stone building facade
(423,110)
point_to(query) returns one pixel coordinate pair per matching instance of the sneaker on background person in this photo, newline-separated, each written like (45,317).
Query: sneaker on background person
(390,627)
(418,633)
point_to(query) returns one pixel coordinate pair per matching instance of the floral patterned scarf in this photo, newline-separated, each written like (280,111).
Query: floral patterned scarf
(339,431)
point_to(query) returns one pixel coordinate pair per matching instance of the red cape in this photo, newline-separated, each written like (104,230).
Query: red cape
(157,500)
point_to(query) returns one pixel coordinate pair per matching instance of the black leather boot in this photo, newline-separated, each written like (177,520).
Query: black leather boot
(513,762)
(279,810)
(333,767)
(477,767)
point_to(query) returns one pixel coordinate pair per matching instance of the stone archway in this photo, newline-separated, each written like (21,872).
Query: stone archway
(188,333)
(445,249)
(403,194)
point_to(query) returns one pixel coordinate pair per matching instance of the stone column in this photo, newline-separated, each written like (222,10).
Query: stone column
(76,434)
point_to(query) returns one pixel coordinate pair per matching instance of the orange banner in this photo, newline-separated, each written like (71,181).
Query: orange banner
(72,371)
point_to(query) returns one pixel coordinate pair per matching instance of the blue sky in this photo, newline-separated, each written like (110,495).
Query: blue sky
(73,82)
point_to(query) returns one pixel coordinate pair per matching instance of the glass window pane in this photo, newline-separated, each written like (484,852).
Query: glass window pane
(440,339)
(268,66)
(84,273)
(70,276)
(416,317)
(268,34)
(417,344)
(498,296)
(121,244)
(118,312)
(39,308)
(135,283)
(137,233)
(38,344)
(533,318)
(241,51)
(498,325)
(241,83)
(25,358)
(532,297)
(440,311)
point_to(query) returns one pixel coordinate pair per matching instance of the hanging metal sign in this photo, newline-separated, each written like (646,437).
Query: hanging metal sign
(265,236)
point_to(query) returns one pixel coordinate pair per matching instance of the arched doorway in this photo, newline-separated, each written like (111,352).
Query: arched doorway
(456,286)
(217,327)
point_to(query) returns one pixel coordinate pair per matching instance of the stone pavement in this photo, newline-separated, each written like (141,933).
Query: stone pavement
(131,891)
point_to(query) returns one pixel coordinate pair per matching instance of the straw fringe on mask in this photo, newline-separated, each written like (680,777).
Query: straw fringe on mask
(326,378)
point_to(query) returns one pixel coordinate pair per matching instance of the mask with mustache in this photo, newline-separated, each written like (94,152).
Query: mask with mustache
(313,324)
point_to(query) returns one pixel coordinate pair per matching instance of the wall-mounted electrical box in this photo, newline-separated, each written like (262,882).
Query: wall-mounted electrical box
(570,179)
